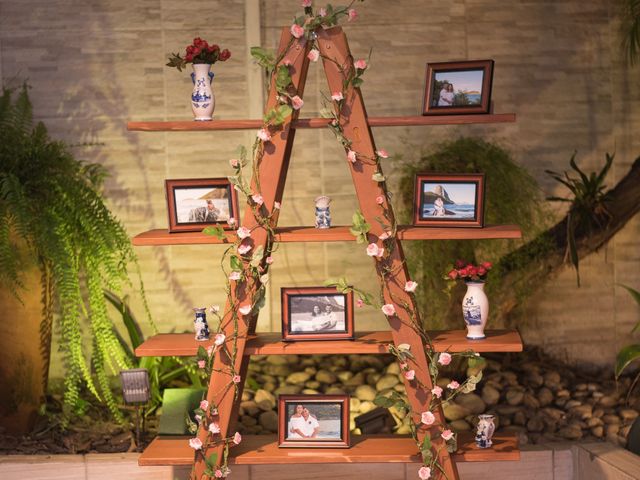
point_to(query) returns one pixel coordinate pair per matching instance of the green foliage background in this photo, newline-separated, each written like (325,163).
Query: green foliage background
(512,196)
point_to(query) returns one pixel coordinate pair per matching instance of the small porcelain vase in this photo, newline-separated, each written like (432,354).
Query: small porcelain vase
(200,324)
(323,215)
(485,430)
(202,99)
(475,310)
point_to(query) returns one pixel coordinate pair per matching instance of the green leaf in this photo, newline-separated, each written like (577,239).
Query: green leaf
(212,460)
(202,353)
(378,177)
(215,231)
(263,57)
(626,356)
(256,258)
(426,442)
(283,78)
(236,263)
(476,361)
(383,402)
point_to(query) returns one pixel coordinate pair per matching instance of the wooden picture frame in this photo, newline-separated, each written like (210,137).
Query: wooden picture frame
(310,322)
(323,413)
(189,208)
(465,99)
(435,206)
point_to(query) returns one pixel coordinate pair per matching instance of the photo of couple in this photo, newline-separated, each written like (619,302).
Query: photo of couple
(320,421)
(456,89)
(317,313)
(202,205)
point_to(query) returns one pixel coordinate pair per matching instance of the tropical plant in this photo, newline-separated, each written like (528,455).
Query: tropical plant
(53,202)
(631,353)
(512,196)
(630,29)
(163,371)
(588,205)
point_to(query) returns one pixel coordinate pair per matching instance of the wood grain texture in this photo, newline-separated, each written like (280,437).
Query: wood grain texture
(184,344)
(333,234)
(397,121)
(263,449)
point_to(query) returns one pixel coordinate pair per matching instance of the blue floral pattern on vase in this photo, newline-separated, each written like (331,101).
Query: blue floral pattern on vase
(202,98)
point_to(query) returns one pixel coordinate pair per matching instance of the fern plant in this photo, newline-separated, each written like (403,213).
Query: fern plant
(53,202)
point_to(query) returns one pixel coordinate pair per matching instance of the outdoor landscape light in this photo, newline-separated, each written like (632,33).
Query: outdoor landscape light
(135,391)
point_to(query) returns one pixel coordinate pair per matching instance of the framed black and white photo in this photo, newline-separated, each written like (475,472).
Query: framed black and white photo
(455,88)
(449,200)
(320,421)
(194,204)
(316,313)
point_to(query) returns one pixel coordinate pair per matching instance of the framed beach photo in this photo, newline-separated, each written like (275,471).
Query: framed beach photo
(316,313)
(449,200)
(194,204)
(320,421)
(455,88)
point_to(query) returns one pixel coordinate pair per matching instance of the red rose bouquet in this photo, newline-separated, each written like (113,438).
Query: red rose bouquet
(469,272)
(199,52)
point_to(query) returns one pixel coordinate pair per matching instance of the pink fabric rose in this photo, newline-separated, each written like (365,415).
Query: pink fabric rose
(257,198)
(410,286)
(218,473)
(427,418)
(313,55)
(236,379)
(297,31)
(359,303)
(384,235)
(234,162)
(243,232)
(204,405)
(202,363)
(231,221)
(453,385)
(424,473)
(373,250)
(447,435)
(235,276)
(380,199)
(237,438)
(337,96)
(352,156)
(360,64)
(306,3)
(269,260)
(195,443)
(276,205)
(322,12)
(410,374)
(444,358)
(244,248)
(264,135)
(437,391)
(389,309)
(382,153)
(353,15)
(214,428)
(297,102)
(219,339)
(245,310)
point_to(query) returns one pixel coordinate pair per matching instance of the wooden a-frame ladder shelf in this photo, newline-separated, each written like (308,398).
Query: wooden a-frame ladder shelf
(272,170)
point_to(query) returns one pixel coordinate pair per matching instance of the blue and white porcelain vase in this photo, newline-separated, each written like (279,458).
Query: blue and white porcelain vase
(200,324)
(485,430)
(323,215)
(475,310)
(203,100)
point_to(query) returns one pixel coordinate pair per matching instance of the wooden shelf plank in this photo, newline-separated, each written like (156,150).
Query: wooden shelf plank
(263,449)
(242,124)
(184,344)
(334,234)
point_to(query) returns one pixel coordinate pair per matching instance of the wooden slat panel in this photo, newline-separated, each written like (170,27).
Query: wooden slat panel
(184,344)
(241,124)
(263,449)
(333,234)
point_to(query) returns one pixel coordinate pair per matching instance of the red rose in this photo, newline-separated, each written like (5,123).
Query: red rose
(197,41)
(214,48)
(225,55)
(481,271)
(188,58)
(190,49)
(196,51)
(453,274)
(460,263)
(204,45)
(487,265)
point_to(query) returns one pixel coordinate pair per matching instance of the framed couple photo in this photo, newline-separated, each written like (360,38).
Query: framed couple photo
(454,88)
(320,421)
(194,204)
(449,200)
(316,313)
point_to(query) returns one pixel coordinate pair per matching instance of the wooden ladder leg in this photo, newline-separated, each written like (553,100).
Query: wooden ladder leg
(272,172)
(338,62)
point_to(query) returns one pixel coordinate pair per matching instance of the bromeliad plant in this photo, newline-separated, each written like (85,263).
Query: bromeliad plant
(199,52)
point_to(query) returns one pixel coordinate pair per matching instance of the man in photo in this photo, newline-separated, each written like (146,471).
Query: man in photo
(302,424)
(206,214)
(327,321)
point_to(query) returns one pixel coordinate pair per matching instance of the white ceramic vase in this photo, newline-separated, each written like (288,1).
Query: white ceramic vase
(203,100)
(475,310)
(323,215)
(485,430)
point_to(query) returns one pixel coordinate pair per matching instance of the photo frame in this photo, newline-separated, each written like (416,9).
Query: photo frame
(316,313)
(457,88)
(317,421)
(449,200)
(193,204)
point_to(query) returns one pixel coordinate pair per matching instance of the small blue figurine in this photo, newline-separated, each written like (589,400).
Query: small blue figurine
(323,215)
(200,324)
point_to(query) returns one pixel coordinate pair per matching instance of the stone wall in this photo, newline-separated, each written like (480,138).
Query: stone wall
(95,64)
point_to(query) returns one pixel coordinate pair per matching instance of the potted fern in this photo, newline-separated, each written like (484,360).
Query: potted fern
(61,244)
